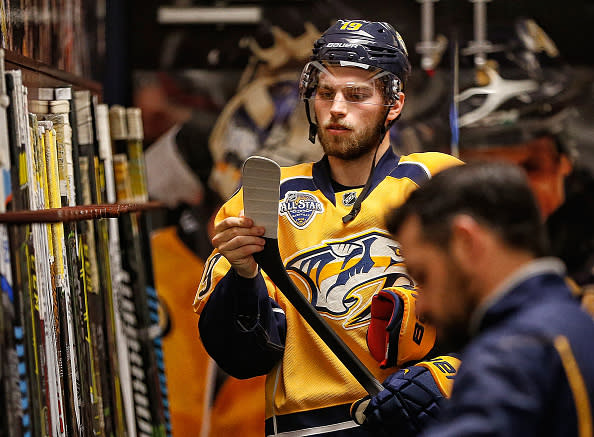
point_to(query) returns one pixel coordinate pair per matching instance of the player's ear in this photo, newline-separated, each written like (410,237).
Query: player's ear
(465,242)
(396,107)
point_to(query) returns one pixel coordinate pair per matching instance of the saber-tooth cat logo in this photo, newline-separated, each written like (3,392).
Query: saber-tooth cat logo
(300,208)
(341,276)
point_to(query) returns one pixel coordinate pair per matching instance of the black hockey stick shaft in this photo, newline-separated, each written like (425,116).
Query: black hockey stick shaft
(270,261)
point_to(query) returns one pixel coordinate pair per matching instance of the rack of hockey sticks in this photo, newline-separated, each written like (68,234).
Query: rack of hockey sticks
(80,352)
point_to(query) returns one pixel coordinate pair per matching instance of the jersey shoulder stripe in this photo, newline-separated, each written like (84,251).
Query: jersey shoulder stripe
(297,184)
(415,171)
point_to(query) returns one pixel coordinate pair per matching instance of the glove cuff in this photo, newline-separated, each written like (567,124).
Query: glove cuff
(395,335)
(443,369)
(384,329)
(358,410)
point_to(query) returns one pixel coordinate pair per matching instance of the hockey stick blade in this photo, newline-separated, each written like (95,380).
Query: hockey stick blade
(261,182)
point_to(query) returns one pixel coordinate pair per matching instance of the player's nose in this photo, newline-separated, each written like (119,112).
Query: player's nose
(339,105)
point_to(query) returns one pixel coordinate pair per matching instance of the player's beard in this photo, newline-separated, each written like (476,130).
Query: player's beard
(355,145)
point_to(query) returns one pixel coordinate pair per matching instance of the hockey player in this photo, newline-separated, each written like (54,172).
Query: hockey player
(334,244)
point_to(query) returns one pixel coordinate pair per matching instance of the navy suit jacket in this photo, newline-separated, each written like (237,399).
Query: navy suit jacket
(517,376)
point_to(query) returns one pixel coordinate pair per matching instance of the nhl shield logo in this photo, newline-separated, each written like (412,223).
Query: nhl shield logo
(300,208)
(348,199)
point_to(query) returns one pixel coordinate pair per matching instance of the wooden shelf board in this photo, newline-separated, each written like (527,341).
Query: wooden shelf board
(39,75)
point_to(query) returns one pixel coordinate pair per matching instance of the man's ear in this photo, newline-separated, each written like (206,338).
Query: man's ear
(396,108)
(565,165)
(466,243)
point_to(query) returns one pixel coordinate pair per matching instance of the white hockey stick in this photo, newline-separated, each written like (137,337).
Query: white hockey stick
(261,182)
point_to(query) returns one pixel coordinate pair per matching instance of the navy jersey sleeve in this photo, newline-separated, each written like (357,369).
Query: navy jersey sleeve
(242,328)
(501,389)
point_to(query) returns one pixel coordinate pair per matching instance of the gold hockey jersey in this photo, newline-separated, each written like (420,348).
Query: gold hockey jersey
(339,267)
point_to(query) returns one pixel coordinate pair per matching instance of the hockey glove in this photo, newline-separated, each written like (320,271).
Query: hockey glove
(411,398)
(395,335)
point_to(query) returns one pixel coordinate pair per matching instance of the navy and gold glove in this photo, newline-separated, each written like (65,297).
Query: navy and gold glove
(411,398)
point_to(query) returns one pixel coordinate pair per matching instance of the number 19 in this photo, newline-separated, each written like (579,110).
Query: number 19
(350,25)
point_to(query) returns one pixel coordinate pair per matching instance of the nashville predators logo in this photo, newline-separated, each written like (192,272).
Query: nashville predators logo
(340,277)
(300,208)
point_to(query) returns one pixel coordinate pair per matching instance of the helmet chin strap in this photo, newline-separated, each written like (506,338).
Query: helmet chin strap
(313,129)
(365,191)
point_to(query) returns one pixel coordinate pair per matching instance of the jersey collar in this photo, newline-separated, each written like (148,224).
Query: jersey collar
(321,173)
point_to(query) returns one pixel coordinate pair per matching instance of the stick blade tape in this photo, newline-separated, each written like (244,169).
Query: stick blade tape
(261,182)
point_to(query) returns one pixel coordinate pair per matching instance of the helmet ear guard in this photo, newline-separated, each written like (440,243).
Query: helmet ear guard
(307,86)
(393,89)
(308,81)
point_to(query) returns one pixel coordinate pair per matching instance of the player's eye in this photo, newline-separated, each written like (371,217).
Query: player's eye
(357,94)
(325,93)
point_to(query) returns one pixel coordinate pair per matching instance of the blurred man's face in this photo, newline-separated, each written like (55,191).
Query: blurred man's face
(446,300)
(545,167)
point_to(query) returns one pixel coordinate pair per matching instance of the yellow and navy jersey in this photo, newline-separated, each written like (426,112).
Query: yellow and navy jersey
(338,266)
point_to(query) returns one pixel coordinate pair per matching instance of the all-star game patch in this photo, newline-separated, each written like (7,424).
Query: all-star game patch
(300,208)
(348,199)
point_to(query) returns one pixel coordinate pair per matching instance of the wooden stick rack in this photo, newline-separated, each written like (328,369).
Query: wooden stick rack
(76,213)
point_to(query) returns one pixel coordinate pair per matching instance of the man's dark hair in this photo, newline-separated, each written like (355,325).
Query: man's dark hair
(496,195)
